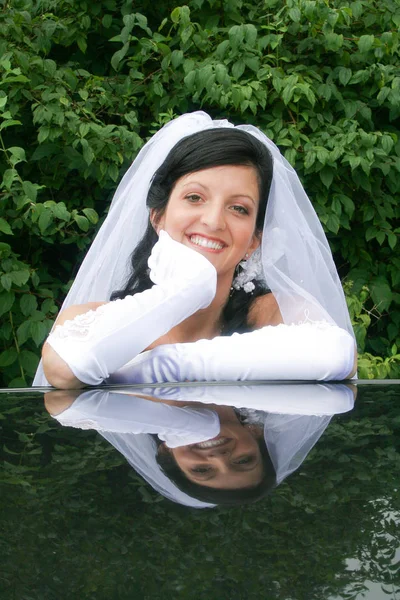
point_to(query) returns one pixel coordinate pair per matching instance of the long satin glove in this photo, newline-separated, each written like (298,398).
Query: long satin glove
(311,351)
(105,410)
(99,342)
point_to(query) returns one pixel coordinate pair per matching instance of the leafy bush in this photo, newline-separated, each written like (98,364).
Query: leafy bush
(83,85)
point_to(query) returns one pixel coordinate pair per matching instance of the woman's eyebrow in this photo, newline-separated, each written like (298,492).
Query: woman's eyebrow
(196,183)
(208,189)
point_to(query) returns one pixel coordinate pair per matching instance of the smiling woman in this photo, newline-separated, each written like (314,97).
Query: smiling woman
(225,241)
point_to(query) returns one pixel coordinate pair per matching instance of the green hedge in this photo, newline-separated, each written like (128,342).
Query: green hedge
(84,84)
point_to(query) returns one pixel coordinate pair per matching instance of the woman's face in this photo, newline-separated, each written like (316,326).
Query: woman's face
(214,212)
(231,460)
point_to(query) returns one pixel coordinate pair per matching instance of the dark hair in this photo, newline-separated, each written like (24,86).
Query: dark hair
(248,495)
(204,150)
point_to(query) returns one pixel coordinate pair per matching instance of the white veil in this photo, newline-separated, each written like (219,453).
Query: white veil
(296,258)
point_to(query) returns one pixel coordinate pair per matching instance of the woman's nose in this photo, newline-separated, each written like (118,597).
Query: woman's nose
(213,216)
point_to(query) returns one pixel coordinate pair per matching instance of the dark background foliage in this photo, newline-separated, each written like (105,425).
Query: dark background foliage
(84,84)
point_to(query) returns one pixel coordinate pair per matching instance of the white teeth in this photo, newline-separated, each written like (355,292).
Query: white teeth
(212,443)
(205,243)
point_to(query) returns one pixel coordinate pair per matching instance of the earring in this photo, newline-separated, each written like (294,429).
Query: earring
(246,271)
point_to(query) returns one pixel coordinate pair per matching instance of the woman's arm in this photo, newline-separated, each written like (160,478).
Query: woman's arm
(307,352)
(56,370)
(89,345)
(265,311)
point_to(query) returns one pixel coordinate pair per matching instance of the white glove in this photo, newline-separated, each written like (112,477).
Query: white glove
(99,342)
(311,351)
(105,410)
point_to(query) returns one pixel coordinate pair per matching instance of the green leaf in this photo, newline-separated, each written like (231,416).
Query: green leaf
(287,93)
(29,361)
(30,190)
(236,36)
(18,154)
(82,222)
(387,143)
(82,44)
(28,304)
(38,332)
(176,58)
(365,43)
(9,177)
(19,277)
(60,212)
(380,236)
(333,41)
(8,357)
(381,293)
(44,220)
(238,68)
(107,21)
(6,301)
(220,72)
(344,75)
(392,240)
(4,227)
(88,153)
(118,56)
(221,49)
(84,129)
(190,79)
(309,159)
(252,62)
(250,34)
(326,175)
(91,214)
(9,123)
(348,204)
(383,94)
(332,224)
(295,14)
(175,14)
(43,134)
(24,332)
(6,281)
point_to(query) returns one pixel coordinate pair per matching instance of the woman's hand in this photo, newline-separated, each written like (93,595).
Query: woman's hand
(173,266)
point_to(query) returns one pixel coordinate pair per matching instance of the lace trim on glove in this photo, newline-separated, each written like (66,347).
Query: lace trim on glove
(84,424)
(88,424)
(81,326)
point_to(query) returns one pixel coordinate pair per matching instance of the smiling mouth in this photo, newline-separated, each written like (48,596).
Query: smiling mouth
(212,443)
(206,243)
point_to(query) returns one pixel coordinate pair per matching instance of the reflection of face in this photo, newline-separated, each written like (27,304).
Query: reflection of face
(232,460)
(214,212)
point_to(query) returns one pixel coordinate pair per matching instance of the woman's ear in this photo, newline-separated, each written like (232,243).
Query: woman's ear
(163,449)
(154,219)
(157,220)
(255,242)
(256,431)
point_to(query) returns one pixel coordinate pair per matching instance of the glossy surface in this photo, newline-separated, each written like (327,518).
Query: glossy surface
(78,522)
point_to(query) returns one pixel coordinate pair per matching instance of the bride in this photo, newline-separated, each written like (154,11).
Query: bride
(231,275)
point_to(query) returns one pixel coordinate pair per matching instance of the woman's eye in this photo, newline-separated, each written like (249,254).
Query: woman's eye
(193,198)
(244,461)
(240,209)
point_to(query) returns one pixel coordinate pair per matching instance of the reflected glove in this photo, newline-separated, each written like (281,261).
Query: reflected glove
(99,342)
(311,351)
